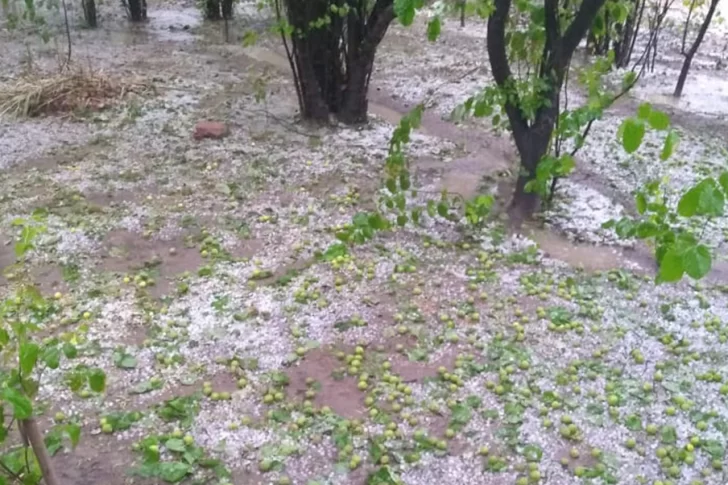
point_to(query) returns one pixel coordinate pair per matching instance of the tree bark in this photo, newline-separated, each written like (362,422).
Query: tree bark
(35,437)
(694,49)
(89,13)
(212,10)
(227,9)
(332,64)
(532,137)
(137,10)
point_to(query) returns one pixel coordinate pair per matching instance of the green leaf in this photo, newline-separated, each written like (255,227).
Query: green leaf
(175,444)
(474,401)
(376,450)
(124,360)
(671,266)
(404,181)
(723,180)
(391,185)
(173,471)
(632,134)
(335,250)
(22,407)
(401,220)
(461,414)
(671,141)
(442,209)
(431,210)
(532,453)
(97,380)
(697,261)
(705,198)
(52,357)
(70,350)
(668,435)
(641,203)
(644,110)
(658,120)
(433,29)
(633,423)
(74,433)
(250,37)
(715,449)
(378,222)
(383,476)
(688,204)
(28,355)
(405,11)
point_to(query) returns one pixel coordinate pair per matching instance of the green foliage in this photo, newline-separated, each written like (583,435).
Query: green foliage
(24,14)
(183,458)
(27,350)
(394,200)
(678,248)
(405,10)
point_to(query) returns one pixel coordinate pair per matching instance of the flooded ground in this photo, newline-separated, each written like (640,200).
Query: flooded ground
(245,345)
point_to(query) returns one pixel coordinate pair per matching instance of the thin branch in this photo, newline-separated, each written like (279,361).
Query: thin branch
(581,23)
(68,32)
(289,55)
(686,27)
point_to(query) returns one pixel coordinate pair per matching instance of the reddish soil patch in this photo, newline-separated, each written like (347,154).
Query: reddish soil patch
(341,395)
(438,426)
(585,459)
(49,279)
(413,371)
(97,459)
(112,198)
(127,251)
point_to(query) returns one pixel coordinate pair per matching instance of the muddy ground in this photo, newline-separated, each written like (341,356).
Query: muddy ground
(429,355)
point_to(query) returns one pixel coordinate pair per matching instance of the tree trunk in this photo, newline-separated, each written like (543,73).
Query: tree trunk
(29,428)
(227,9)
(462,12)
(355,103)
(332,63)
(622,51)
(532,138)
(212,10)
(694,49)
(137,10)
(89,13)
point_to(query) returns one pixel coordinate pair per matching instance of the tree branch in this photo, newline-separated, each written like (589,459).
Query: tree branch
(499,65)
(377,24)
(581,23)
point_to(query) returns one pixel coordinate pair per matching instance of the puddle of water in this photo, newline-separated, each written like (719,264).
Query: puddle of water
(587,256)
(268,56)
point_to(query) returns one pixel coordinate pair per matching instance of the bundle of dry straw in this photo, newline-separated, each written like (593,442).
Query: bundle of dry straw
(70,92)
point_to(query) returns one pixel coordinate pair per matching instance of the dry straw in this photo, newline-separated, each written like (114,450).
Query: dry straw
(71,92)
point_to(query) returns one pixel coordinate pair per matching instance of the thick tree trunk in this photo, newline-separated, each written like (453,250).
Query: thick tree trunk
(137,10)
(89,13)
(355,104)
(332,63)
(532,137)
(212,10)
(694,49)
(622,51)
(227,9)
